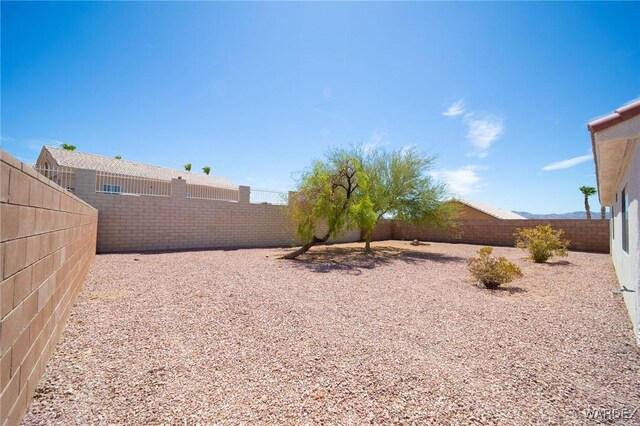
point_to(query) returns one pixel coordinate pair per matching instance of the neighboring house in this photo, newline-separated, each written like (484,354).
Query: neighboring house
(615,141)
(482,211)
(117,176)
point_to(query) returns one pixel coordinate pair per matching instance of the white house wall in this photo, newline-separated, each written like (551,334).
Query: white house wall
(627,264)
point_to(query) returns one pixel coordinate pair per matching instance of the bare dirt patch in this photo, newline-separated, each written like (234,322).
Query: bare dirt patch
(340,336)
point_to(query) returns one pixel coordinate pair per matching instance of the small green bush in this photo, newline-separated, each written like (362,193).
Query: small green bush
(542,242)
(492,271)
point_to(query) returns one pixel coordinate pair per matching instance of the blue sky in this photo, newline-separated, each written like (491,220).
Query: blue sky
(500,91)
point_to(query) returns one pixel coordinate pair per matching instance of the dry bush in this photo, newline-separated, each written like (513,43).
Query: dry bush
(493,271)
(542,242)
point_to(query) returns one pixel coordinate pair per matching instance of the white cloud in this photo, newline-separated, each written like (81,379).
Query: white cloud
(455,109)
(482,129)
(566,164)
(327,92)
(377,137)
(462,181)
(482,132)
(376,140)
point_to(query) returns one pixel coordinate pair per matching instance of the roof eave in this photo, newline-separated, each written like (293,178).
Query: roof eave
(619,115)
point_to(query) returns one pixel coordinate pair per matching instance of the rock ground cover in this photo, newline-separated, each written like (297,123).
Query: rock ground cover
(401,336)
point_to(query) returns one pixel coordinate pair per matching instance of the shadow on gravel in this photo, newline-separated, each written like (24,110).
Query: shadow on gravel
(559,263)
(510,290)
(354,260)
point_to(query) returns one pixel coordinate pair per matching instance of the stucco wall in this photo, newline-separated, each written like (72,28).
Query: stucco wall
(584,235)
(47,242)
(628,264)
(147,223)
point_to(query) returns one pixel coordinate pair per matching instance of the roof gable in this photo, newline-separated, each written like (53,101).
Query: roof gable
(496,212)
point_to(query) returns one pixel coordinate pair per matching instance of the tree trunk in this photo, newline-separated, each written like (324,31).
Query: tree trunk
(305,248)
(603,212)
(367,240)
(587,208)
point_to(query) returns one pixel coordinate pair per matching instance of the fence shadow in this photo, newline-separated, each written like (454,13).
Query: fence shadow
(353,260)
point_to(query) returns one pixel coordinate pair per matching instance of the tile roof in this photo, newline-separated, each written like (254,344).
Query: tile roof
(81,160)
(619,115)
(496,212)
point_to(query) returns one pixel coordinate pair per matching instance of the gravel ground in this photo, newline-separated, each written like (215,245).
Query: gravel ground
(339,337)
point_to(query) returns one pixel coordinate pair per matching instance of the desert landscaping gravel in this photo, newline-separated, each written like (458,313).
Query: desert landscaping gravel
(339,337)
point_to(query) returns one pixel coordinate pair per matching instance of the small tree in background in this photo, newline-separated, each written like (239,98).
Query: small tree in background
(587,191)
(68,147)
(492,271)
(206,170)
(398,185)
(187,167)
(118,157)
(542,242)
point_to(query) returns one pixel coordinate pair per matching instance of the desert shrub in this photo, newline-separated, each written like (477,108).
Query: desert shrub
(542,242)
(492,271)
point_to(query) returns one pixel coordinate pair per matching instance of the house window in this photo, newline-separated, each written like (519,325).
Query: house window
(111,189)
(625,219)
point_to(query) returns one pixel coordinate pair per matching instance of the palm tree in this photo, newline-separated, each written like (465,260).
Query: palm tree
(587,191)
(206,170)
(68,147)
(187,167)
(603,212)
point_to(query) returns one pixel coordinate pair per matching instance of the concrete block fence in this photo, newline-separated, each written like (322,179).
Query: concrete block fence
(129,223)
(585,235)
(47,242)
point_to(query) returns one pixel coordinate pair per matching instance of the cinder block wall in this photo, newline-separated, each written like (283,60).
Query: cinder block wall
(585,235)
(383,230)
(47,242)
(146,223)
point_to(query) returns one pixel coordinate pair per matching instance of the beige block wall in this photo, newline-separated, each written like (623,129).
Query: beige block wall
(47,242)
(147,223)
(585,235)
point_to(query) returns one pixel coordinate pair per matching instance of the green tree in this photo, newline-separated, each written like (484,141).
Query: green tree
(206,170)
(118,157)
(357,187)
(326,195)
(587,191)
(187,167)
(398,185)
(68,147)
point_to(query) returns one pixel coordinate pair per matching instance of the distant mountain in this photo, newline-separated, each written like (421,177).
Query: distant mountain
(571,215)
